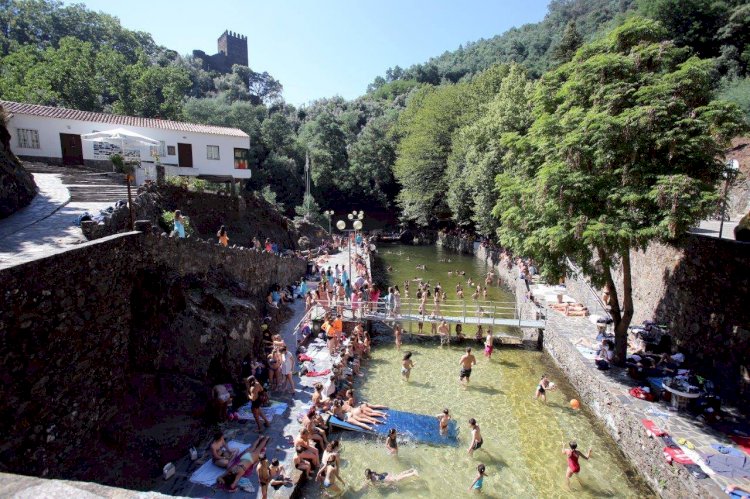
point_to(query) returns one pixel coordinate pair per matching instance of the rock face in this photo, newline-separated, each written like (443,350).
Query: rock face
(114,345)
(742,231)
(17,187)
(244,217)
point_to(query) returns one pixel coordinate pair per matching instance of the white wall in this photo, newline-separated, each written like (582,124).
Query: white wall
(51,128)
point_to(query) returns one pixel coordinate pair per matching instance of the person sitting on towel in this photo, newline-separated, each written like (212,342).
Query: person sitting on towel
(247,460)
(221,454)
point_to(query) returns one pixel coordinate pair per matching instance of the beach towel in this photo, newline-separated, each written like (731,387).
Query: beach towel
(651,429)
(736,494)
(742,442)
(303,357)
(586,352)
(729,466)
(642,394)
(315,374)
(209,472)
(658,413)
(673,455)
(275,409)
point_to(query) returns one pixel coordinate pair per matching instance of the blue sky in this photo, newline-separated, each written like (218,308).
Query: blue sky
(322,48)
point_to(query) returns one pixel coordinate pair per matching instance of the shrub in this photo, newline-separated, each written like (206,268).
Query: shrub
(166,222)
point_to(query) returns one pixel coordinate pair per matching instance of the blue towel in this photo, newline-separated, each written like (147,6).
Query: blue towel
(415,427)
(728,450)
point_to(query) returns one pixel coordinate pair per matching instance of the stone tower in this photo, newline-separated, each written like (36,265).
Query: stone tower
(234,47)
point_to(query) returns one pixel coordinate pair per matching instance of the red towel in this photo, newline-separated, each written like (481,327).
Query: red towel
(315,374)
(652,429)
(638,393)
(676,456)
(742,442)
(303,357)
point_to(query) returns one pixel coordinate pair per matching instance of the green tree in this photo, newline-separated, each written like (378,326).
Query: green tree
(326,141)
(569,43)
(160,91)
(479,152)
(625,149)
(372,156)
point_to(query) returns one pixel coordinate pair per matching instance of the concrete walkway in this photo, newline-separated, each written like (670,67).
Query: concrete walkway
(48,223)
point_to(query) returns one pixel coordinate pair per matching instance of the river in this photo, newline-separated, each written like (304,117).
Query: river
(523,437)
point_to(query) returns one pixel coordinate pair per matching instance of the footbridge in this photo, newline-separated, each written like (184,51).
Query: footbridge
(487,313)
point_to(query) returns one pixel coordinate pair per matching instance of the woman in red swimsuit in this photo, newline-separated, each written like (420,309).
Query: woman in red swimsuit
(573,454)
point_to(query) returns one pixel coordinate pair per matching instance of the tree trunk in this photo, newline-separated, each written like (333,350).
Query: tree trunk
(621,315)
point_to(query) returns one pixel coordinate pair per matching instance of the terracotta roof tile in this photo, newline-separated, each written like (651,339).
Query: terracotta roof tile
(116,119)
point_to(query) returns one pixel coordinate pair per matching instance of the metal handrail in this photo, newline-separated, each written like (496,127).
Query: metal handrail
(578,275)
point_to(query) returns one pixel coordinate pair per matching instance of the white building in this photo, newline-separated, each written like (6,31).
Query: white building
(53,134)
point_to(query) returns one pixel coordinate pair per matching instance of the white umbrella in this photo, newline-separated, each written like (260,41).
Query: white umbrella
(122,137)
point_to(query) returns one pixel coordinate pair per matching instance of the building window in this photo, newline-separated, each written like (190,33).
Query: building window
(28,139)
(240,159)
(160,150)
(171,151)
(212,152)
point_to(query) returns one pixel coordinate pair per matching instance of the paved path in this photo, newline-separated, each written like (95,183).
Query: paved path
(678,425)
(48,225)
(711,228)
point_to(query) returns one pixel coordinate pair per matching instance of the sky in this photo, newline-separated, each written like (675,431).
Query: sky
(322,48)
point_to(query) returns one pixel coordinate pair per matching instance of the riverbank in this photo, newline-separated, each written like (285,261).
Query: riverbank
(606,394)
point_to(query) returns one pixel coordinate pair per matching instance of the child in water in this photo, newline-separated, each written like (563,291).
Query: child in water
(479,480)
(406,366)
(443,420)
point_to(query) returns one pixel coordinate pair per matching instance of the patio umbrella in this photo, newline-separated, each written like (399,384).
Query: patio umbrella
(122,137)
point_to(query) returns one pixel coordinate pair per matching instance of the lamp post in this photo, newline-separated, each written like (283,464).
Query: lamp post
(730,173)
(328,214)
(357,225)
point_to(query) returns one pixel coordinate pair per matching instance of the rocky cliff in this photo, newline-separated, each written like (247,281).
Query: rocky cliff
(17,187)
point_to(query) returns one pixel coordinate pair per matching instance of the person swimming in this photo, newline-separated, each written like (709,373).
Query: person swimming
(373,477)
(391,442)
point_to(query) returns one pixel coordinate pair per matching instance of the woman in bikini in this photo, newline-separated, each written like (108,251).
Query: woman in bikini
(350,417)
(246,461)
(254,392)
(274,369)
(318,399)
(330,475)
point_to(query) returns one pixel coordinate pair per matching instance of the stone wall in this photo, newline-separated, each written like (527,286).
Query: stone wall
(114,346)
(700,288)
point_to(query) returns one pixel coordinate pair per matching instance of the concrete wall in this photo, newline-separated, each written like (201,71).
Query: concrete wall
(98,340)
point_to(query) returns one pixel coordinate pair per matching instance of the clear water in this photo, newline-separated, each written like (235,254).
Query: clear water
(523,437)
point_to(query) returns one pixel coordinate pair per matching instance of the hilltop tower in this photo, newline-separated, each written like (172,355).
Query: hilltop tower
(232,50)
(234,47)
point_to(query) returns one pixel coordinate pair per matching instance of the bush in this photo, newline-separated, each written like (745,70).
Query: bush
(166,222)
(188,183)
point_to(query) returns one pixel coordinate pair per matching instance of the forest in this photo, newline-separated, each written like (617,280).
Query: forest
(427,140)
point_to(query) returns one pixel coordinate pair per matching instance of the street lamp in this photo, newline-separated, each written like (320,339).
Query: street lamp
(730,173)
(357,225)
(328,214)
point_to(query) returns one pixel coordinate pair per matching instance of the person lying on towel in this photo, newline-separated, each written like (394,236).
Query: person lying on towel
(247,460)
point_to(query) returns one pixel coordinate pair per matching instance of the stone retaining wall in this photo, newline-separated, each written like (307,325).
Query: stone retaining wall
(131,324)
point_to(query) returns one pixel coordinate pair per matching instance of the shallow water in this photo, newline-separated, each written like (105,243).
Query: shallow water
(523,437)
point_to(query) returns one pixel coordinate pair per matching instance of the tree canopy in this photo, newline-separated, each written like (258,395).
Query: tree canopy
(624,149)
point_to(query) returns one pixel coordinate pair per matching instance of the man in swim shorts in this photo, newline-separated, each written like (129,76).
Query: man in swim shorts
(444,331)
(467,361)
(476,436)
